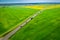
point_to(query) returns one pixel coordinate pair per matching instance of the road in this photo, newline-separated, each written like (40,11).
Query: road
(6,37)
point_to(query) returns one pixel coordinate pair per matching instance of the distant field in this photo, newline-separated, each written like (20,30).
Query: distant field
(53,6)
(35,7)
(45,26)
(43,6)
(11,16)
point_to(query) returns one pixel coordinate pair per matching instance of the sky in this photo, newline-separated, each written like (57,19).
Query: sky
(27,1)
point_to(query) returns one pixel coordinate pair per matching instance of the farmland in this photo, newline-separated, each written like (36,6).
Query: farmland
(11,16)
(45,26)
(47,6)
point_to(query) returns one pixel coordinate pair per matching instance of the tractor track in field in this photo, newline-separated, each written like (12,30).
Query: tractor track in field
(7,36)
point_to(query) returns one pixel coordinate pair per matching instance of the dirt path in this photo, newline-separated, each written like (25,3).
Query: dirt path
(6,37)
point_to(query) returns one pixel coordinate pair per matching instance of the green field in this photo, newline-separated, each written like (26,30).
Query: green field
(11,16)
(45,26)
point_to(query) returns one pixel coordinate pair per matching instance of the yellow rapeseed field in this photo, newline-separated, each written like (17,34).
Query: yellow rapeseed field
(35,7)
(42,6)
(53,6)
